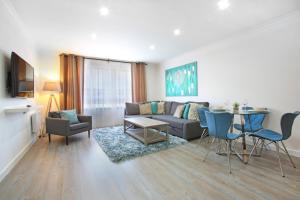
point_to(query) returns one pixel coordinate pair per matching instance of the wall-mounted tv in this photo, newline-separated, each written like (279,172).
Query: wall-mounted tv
(21,77)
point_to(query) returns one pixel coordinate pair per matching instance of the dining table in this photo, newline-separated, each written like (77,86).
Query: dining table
(244,155)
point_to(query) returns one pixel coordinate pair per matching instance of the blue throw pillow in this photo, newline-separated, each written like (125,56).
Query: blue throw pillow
(70,115)
(154,107)
(185,114)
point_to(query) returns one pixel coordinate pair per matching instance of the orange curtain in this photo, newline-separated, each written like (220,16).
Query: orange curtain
(71,77)
(138,82)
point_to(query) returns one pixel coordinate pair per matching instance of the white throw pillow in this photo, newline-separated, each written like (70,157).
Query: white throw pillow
(179,111)
(160,107)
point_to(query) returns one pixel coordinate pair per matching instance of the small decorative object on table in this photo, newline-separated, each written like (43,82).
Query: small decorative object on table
(236,107)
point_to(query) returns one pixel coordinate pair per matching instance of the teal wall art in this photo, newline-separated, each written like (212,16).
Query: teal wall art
(182,80)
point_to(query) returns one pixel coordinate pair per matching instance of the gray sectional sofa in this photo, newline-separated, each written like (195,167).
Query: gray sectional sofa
(187,129)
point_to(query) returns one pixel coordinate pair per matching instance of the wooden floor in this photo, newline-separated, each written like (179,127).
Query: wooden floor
(82,171)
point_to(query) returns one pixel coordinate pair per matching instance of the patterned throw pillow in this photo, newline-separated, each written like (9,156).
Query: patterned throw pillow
(160,107)
(193,114)
(185,114)
(69,115)
(179,111)
(145,109)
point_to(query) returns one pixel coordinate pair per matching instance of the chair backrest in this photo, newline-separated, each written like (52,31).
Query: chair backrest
(286,123)
(202,117)
(253,122)
(218,123)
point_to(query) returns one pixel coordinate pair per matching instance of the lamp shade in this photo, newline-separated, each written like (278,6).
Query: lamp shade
(52,86)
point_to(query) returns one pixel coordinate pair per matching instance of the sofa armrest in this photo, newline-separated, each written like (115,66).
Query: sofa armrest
(57,126)
(85,118)
(192,130)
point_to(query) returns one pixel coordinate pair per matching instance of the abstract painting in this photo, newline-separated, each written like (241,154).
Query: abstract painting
(182,80)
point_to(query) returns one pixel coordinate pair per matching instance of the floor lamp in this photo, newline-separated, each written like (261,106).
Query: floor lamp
(53,87)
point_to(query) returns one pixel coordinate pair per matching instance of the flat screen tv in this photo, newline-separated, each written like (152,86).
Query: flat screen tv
(21,77)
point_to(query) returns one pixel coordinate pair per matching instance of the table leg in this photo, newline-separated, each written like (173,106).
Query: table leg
(145,136)
(124,126)
(167,133)
(245,156)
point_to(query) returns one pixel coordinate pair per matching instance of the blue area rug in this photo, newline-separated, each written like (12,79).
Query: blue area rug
(119,146)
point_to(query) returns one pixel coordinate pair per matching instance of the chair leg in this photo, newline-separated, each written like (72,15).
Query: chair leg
(254,141)
(219,146)
(89,134)
(254,147)
(49,137)
(228,155)
(278,155)
(209,149)
(67,140)
(262,146)
(202,134)
(287,153)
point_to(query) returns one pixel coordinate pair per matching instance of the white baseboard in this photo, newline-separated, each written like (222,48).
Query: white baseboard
(292,152)
(4,172)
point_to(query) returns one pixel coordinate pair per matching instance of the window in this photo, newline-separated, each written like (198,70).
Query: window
(107,86)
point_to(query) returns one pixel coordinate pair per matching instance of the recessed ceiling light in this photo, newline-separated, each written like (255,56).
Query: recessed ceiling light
(104,11)
(223,4)
(177,32)
(152,47)
(94,36)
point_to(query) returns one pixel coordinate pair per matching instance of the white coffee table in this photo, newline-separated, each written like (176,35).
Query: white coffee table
(146,130)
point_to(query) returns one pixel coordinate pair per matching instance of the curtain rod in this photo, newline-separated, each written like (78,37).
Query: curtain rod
(107,59)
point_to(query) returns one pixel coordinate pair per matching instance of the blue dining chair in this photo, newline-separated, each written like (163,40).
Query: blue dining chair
(218,126)
(253,123)
(203,122)
(286,123)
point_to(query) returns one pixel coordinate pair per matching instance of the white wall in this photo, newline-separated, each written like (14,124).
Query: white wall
(15,134)
(261,66)
(153,87)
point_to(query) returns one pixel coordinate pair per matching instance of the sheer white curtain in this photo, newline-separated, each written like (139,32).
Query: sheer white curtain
(107,86)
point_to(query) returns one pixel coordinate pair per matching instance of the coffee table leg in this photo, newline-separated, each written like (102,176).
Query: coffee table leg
(145,136)
(124,126)
(167,132)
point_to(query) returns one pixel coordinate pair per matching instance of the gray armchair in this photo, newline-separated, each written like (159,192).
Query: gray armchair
(57,126)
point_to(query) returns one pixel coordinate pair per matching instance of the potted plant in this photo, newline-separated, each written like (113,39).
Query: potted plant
(236,107)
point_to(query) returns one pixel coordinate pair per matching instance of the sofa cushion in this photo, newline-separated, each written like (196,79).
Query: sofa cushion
(132,109)
(167,106)
(174,122)
(79,126)
(174,106)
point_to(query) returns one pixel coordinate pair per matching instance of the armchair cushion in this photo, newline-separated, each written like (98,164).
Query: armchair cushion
(79,126)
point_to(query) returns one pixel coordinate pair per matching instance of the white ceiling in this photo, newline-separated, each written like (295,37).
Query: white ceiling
(134,25)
